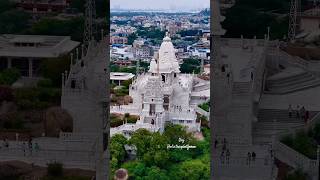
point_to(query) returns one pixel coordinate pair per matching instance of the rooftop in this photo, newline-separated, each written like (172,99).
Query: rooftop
(121,76)
(35,46)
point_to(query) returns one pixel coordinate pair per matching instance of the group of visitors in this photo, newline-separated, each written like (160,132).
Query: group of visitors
(30,146)
(176,107)
(299,113)
(251,157)
(203,98)
(225,153)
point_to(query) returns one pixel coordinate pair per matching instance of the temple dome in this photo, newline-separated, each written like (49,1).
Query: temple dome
(167,60)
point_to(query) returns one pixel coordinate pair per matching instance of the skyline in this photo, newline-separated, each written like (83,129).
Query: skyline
(177,5)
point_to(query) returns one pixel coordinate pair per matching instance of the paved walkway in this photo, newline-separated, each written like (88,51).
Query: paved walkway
(71,154)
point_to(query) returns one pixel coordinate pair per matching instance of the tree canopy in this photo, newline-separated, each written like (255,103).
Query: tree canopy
(155,161)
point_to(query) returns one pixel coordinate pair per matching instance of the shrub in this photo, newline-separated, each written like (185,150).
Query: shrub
(9,76)
(6,93)
(115,121)
(36,98)
(132,119)
(45,83)
(55,170)
(53,68)
(13,121)
(302,143)
(205,106)
(127,83)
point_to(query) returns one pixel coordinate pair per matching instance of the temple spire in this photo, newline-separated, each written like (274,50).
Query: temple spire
(217,32)
(90,29)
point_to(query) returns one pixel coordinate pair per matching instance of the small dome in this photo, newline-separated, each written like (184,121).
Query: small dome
(121,174)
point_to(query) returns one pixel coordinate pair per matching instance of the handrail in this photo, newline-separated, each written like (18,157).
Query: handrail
(242,160)
(294,158)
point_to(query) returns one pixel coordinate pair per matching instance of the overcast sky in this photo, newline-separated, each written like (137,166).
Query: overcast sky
(160,4)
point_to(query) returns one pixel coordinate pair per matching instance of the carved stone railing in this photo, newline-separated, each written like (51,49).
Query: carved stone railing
(243,161)
(296,159)
(234,140)
(65,136)
(125,109)
(202,112)
(69,158)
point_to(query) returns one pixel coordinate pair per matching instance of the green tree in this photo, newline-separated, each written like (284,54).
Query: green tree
(117,150)
(157,153)
(192,169)
(6,5)
(101,7)
(155,173)
(78,4)
(127,83)
(73,27)
(141,140)
(246,20)
(53,68)
(173,132)
(13,21)
(55,170)
(296,175)
(9,76)
(131,38)
(190,66)
(135,168)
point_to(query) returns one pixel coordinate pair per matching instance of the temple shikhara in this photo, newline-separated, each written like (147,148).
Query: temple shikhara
(164,94)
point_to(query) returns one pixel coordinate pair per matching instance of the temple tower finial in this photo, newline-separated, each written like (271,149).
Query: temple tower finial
(90,29)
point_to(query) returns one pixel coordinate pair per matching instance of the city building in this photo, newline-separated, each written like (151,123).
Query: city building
(119,77)
(43,6)
(26,52)
(118,40)
(120,51)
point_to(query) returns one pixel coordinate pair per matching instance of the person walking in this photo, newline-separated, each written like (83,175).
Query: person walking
(222,157)
(248,158)
(290,111)
(228,76)
(24,148)
(253,156)
(215,144)
(224,146)
(306,117)
(298,112)
(228,156)
(302,112)
(36,147)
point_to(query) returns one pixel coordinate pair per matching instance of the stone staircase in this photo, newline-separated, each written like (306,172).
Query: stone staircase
(201,87)
(264,129)
(290,84)
(240,89)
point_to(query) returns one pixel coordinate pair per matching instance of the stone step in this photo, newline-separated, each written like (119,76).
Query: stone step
(290,78)
(276,126)
(294,87)
(270,114)
(292,82)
